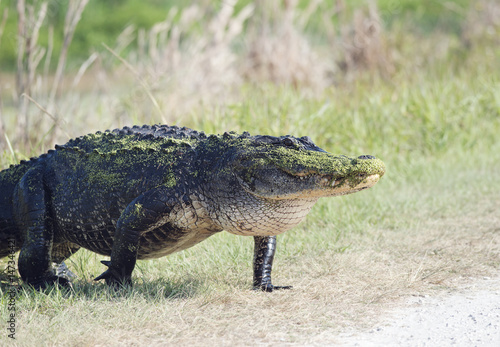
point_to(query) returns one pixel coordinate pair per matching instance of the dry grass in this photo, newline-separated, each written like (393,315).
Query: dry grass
(183,65)
(364,44)
(482,23)
(29,82)
(277,49)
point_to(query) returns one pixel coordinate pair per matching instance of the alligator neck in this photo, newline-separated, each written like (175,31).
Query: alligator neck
(250,215)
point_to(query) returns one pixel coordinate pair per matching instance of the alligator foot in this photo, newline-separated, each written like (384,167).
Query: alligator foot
(113,277)
(268,287)
(63,271)
(51,280)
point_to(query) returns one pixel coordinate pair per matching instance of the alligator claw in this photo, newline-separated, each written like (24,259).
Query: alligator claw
(112,276)
(106,262)
(106,274)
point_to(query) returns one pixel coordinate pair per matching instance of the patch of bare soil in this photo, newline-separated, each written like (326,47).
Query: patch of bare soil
(467,317)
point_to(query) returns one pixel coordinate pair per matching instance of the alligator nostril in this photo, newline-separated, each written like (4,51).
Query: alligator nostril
(366,157)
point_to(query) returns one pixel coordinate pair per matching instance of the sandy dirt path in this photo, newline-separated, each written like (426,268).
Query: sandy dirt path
(469,316)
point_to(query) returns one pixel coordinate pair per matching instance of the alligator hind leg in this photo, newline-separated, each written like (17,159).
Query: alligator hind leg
(265,247)
(62,271)
(31,208)
(61,252)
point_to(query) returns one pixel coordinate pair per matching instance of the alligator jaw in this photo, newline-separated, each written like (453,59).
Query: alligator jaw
(330,185)
(328,181)
(313,185)
(342,187)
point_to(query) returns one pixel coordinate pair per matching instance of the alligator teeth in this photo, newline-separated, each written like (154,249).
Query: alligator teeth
(333,183)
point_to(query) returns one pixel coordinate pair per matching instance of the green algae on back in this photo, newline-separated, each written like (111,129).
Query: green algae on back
(107,143)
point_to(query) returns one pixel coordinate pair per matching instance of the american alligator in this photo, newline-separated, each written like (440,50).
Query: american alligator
(145,192)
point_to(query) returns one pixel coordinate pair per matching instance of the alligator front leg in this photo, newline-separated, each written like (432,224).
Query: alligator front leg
(125,246)
(141,215)
(32,217)
(265,247)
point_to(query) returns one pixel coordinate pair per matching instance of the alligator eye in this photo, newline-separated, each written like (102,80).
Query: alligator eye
(288,142)
(361,175)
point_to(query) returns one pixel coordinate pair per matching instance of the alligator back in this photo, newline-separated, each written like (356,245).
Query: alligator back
(133,136)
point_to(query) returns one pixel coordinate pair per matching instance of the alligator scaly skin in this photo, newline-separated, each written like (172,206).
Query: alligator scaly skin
(146,192)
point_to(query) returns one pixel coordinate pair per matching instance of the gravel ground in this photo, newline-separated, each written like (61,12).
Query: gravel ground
(468,317)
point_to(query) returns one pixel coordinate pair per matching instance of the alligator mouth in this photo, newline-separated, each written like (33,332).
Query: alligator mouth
(341,185)
(330,180)
(308,184)
(345,187)
(324,180)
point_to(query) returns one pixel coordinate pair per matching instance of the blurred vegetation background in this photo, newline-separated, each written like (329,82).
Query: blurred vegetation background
(103,21)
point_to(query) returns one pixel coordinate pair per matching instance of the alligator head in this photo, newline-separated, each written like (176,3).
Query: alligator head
(293,168)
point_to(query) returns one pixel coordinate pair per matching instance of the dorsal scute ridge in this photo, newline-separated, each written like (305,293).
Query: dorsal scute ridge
(170,135)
